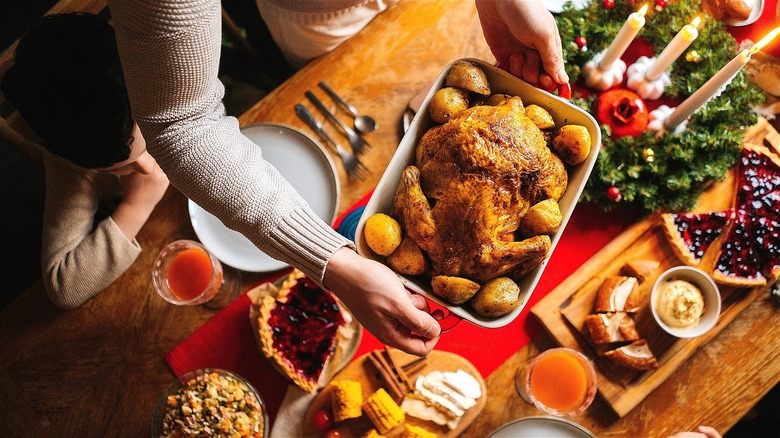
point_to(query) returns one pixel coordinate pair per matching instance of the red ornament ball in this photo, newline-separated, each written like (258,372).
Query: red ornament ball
(662,3)
(609,4)
(613,194)
(623,111)
(581,41)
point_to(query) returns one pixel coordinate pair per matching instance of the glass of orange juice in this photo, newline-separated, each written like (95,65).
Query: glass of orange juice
(185,273)
(559,381)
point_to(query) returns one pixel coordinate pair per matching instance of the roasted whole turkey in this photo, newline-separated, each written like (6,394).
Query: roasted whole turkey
(474,179)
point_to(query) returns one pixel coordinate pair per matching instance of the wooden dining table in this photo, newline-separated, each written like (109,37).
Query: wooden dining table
(98,370)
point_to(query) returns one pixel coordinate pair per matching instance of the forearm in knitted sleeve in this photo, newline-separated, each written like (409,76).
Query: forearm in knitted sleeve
(170,54)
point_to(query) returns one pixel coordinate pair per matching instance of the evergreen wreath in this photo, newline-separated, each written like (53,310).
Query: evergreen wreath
(685,163)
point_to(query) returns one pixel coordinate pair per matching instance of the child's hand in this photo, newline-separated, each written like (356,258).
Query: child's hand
(145,189)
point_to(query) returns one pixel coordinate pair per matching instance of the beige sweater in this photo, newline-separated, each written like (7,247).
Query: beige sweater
(170,54)
(79,257)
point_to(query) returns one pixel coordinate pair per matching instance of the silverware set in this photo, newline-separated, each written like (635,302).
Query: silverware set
(358,144)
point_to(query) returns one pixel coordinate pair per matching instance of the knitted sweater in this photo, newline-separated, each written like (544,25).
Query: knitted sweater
(170,54)
(79,257)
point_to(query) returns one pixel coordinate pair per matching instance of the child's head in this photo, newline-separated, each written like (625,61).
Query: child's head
(67,83)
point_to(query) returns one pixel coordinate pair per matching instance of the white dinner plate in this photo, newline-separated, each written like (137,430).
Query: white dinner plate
(556,6)
(304,164)
(547,427)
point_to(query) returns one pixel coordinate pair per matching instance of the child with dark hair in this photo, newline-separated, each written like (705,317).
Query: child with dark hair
(67,83)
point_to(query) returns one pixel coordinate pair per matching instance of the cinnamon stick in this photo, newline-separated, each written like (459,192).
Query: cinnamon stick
(399,371)
(393,386)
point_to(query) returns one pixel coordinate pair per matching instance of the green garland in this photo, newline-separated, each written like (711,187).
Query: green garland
(683,164)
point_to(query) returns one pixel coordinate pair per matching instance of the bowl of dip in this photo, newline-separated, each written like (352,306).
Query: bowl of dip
(685,302)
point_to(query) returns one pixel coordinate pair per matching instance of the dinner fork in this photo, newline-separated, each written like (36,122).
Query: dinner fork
(352,165)
(359,145)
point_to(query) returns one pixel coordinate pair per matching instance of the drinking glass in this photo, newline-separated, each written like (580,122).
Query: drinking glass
(559,381)
(185,273)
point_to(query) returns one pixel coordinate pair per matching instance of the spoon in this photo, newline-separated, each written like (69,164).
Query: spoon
(364,124)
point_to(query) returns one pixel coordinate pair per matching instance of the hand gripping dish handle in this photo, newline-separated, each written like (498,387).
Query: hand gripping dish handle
(447,320)
(563,90)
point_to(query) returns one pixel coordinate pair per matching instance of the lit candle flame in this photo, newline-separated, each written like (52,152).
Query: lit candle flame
(643,10)
(765,40)
(696,21)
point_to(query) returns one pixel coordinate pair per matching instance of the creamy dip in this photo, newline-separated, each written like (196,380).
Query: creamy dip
(679,304)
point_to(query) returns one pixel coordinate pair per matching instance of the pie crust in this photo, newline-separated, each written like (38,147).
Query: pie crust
(745,240)
(298,329)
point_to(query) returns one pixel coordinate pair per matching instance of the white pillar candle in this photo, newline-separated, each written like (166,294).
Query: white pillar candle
(623,39)
(674,49)
(714,85)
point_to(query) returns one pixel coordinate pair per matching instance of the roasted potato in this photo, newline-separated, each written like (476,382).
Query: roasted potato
(408,259)
(497,297)
(572,143)
(468,76)
(447,103)
(456,290)
(542,218)
(541,118)
(382,233)
(497,99)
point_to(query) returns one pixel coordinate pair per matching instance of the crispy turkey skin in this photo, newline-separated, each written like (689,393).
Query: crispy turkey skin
(474,179)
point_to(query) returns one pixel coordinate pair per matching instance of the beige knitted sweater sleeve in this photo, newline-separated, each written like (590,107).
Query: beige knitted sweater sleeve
(170,54)
(78,257)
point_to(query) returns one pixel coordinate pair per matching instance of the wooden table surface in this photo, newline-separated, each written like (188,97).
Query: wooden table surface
(98,370)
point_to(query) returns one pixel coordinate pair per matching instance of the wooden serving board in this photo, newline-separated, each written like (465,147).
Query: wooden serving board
(562,312)
(363,371)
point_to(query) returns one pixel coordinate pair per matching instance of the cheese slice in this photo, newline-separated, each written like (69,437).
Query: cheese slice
(442,397)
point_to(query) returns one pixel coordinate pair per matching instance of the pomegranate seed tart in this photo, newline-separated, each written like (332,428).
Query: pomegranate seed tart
(745,239)
(298,329)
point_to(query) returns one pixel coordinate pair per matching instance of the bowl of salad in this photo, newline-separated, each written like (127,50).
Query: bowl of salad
(210,402)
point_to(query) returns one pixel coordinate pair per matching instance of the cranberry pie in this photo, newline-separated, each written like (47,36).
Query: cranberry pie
(298,329)
(745,240)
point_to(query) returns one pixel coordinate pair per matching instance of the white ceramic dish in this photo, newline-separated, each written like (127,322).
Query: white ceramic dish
(709,290)
(563,113)
(304,164)
(547,427)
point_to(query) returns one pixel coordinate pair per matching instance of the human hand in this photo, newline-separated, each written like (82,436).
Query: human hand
(524,38)
(379,301)
(701,432)
(145,189)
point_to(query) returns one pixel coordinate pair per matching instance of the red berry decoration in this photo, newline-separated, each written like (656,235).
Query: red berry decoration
(613,194)
(581,41)
(609,4)
(662,3)
(322,420)
(624,111)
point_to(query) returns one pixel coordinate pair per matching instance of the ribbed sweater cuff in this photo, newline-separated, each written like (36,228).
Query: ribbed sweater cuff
(306,242)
